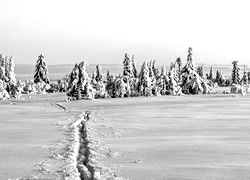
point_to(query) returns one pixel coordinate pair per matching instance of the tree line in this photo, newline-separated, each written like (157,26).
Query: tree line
(149,80)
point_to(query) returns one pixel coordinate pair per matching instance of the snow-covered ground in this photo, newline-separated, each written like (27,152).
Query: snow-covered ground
(187,137)
(33,138)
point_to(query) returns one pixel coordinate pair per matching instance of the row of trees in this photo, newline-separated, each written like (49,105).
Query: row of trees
(148,82)
(11,88)
(221,80)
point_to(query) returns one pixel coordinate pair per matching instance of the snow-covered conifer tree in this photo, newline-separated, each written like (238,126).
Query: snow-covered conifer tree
(99,86)
(163,82)
(210,76)
(135,73)
(155,70)
(108,74)
(128,67)
(178,66)
(244,79)
(2,68)
(11,71)
(200,71)
(144,84)
(41,71)
(235,73)
(192,82)
(79,85)
(220,79)
(99,76)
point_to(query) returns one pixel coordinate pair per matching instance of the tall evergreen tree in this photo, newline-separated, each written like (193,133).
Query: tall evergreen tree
(190,61)
(127,67)
(2,68)
(178,65)
(6,60)
(108,73)
(99,84)
(155,70)
(244,79)
(200,71)
(220,79)
(248,76)
(150,68)
(192,83)
(210,76)
(135,73)
(11,71)
(41,71)
(144,86)
(79,85)
(235,73)
(164,82)
(99,76)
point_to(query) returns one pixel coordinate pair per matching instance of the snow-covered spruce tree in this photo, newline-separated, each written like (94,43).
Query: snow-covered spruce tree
(174,88)
(163,82)
(2,68)
(6,60)
(41,71)
(133,81)
(3,93)
(150,68)
(220,79)
(152,77)
(155,70)
(210,76)
(190,66)
(125,83)
(175,71)
(99,76)
(178,66)
(79,85)
(128,67)
(3,79)
(248,77)
(244,79)
(135,73)
(122,86)
(12,87)
(192,82)
(16,90)
(235,73)
(108,75)
(110,84)
(11,71)
(99,85)
(144,83)
(200,71)
(174,75)
(236,87)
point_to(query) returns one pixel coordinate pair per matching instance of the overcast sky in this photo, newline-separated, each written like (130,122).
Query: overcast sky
(103,31)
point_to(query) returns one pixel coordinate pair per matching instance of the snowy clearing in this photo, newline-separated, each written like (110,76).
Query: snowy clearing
(187,137)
